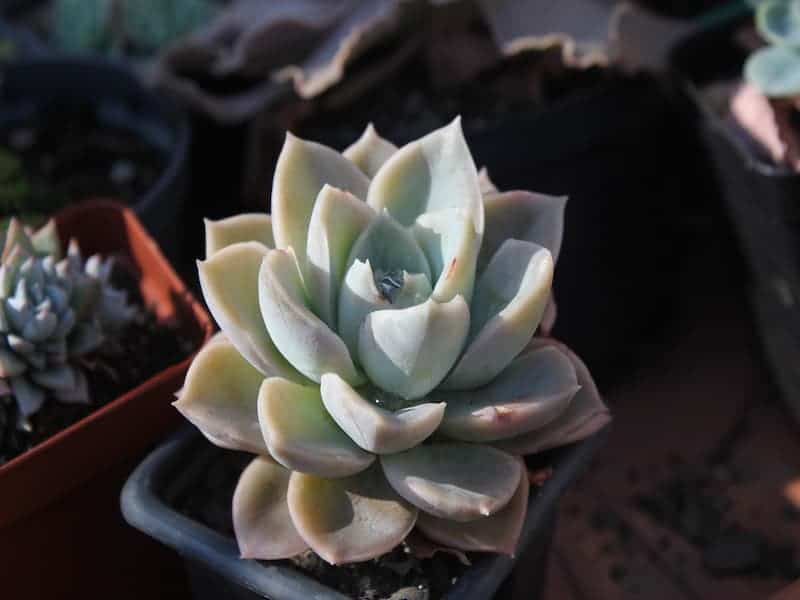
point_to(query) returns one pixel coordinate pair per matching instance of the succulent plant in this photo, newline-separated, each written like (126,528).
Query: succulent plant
(113,25)
(775,68)
(376,352)
(53,312)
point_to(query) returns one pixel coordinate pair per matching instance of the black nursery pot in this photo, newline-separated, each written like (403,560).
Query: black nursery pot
(762,198)
(38,89)
(215,570)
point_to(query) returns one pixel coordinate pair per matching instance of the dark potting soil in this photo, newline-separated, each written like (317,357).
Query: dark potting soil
(68,156)
(144,349)
(398,575)
(696,501)
(515,87)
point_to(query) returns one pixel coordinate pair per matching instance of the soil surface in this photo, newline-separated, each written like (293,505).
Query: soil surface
(63,157)
(145,349)
(398,575)
(517,86)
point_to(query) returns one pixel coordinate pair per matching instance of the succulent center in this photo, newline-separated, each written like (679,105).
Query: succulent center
(389,283)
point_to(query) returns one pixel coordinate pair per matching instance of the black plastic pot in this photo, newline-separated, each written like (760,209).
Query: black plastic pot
(762,198)
(777,323)
(35,86)
(216,571)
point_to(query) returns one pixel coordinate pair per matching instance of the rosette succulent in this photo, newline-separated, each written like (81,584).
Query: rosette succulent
(775,68)
(115,26)
(53,312)
(376,352)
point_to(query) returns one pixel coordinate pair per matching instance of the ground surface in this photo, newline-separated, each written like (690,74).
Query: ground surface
(690,499)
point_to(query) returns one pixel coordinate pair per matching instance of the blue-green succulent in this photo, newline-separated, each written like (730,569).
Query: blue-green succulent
(775,68)
(54,311)
(116,26)
(377,351)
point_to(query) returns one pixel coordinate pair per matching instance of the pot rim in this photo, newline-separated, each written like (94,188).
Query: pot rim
(144,508)
(194,311)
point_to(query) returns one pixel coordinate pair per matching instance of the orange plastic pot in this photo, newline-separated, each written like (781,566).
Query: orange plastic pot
(61,532)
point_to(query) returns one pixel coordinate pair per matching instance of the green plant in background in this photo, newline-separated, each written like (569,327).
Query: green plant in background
(53,312)
(376,352)
(775,69)
(14,185)
(22,197)
(116,26)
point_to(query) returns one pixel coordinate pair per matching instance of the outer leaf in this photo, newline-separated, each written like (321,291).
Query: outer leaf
(248,227)
(229,280)
(220,397)
(497,533)
(775,70)
(585,415)
(779,22)
(261,519)
(408,352)
(306,342)
(359,297)
(373,428)
(336,221)
(303,168)
(427,175)
(510,298)
(370,151)
(45,240)
(301,435)
(451,243)
(526,216)
(352,519)
(455,481)
(535,389)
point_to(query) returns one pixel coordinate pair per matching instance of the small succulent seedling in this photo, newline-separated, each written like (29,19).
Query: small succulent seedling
(775,68)
(111,26)
(376,352)
(53,312)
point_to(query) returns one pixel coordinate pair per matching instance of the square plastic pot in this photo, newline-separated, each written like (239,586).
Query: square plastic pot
(61,534)
(216,571)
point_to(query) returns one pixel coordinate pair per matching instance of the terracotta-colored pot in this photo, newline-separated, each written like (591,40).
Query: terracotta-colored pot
(61,534)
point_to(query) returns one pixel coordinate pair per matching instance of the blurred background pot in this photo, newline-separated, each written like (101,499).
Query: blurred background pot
(154,500)
(75,128)
(64,491)
(762,197)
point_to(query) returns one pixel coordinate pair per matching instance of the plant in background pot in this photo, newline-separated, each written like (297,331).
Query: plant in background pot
(131,28)
(90,351)
(61,318)
(376,355)
(741,72)
(80,128)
